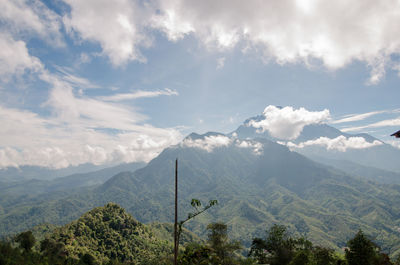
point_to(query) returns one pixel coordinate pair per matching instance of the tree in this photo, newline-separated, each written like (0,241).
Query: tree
(361,250)
(258,251)
(280,245)
(323,256)
(26,240)
(223,250)
(195,253)
(301,257)
(280,249)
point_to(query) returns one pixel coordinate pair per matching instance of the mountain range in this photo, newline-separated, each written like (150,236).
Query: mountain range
(257,182)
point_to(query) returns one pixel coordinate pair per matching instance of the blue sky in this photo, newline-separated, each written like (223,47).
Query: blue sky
(108,82)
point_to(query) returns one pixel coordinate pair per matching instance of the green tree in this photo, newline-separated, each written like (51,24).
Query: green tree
(360,250)
(87,259)
(195,253)
(302,257)
(258,251)
(26,240)
(223,249)
(280,245)
(323,256)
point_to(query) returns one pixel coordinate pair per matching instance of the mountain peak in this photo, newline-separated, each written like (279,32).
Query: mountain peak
(195,136)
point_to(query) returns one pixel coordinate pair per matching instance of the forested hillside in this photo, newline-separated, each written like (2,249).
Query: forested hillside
(108,235)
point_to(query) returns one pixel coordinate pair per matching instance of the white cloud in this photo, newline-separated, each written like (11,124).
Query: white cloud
(358,117)
(32,16)
(15,58)
(116,25)
(76,136)
(384,123)
(208,143)
(67,75)
(256,146)
(362,116)
(286,31)
(288,123)
(292,31)
(79,130)
(340,143)
(140,94)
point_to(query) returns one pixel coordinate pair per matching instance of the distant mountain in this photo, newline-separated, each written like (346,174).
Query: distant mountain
(23,173)
(33,187)
(12,174)
(384,156)
(254,190)
(362,172)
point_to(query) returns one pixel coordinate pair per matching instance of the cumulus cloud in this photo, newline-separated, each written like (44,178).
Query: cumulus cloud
(287,123)
(15,58)
(383,123)
(292,31)
(116,25)
(140,94)
(340,143)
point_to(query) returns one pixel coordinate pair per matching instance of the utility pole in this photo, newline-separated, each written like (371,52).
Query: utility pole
(176,243)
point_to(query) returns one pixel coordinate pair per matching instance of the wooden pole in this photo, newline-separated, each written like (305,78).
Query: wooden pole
(176,243)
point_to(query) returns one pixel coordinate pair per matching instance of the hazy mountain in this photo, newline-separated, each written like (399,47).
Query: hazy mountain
(383,156)
(14,174)
(362,172)
(254,191)
(36,186)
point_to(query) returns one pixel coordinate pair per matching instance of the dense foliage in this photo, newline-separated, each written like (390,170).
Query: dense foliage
(108,235)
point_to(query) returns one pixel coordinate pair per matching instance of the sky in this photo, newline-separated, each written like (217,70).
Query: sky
(106,82)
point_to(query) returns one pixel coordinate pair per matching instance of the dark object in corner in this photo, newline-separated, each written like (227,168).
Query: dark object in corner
(396,134)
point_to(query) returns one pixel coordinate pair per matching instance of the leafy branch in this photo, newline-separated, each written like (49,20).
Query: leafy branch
(198,209)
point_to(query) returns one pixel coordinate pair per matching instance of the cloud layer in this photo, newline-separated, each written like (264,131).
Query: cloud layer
(209,143)
(288,31)
(287,123)
(80,130)
(340,143)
